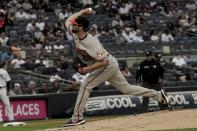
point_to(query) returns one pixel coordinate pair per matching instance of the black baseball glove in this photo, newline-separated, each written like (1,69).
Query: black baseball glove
(78,64)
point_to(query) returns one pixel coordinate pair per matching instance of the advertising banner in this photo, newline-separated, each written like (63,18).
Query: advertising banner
(117,104)
(25,110)
(122,104)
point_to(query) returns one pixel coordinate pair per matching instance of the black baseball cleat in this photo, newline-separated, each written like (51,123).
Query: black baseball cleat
(71,123)
(165,99)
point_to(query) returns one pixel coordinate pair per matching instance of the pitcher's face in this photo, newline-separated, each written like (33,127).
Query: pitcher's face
(76,29)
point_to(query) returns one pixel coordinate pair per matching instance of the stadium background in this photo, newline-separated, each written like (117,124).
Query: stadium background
(38,49)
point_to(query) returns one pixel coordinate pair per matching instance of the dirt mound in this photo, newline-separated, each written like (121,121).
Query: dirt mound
(142,122)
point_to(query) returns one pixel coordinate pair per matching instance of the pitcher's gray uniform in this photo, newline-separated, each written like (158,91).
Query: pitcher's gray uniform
(90,50)
(4,77)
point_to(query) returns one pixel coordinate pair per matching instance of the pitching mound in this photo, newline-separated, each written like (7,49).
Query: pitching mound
(142,122)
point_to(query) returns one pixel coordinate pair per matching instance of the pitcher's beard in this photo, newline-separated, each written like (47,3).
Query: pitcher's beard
(75,31)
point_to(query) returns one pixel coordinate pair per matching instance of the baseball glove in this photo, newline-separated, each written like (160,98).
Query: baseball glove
(78,64)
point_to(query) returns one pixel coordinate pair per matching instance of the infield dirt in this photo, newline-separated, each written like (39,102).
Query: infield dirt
(142,122)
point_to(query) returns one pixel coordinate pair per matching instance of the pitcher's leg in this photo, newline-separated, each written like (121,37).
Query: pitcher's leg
(85,89)
(120,83)
(82,98)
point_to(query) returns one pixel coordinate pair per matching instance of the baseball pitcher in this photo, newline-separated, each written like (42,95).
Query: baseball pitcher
(101,66)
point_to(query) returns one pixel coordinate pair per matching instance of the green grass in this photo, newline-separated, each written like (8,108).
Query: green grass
(44,124)
(35,125)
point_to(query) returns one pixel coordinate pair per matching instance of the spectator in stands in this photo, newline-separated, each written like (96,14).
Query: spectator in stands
(17,62)
(55,80)
(127,34)
(45,5)
(40,4)
(87,2)
(55,77)
(58,47)
(31,88)
(137,22)
(146,12)
(41,15)
(165,11)
(49,63)
(3,39)
(188,58)
(119,39)
(124,11)
(166,36)
(188,76)
(21,14)
(31,26)
(64,13)
(43,88)
(6,56)
(2,9)
(27,5)
(138,37)
(129,5)
(62,63)
(28,65)
(58,27)
(183,77)
(9,16)
(179,61)
(15,49)
(117,21)
(36,48)
(35,4)
(79,78)
(183,21)
(38,34)
(191,6)
(193,24)
(126,73)
(94,31)
(2,23)
(30,15)
(47,47)
(154,36)
(57,9)
(159,57)
(41,61)
(109,7)
(40,24)
(16,90)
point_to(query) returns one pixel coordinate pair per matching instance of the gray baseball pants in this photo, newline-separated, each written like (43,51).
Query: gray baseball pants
(112,74)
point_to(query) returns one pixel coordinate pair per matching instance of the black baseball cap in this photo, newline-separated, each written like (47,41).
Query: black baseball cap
(81,21)
(148,53)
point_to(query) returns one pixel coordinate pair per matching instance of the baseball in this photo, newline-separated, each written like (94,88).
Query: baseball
(89,9)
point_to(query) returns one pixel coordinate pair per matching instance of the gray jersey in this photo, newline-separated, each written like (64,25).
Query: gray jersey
(89,49)
(4,77)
